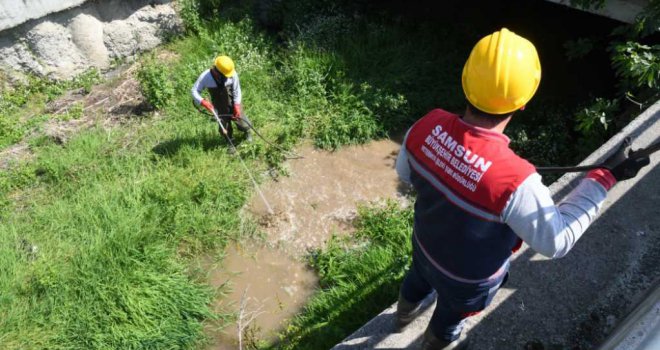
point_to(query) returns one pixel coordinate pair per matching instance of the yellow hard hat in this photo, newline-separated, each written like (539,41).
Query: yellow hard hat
(225,65)
(502,73)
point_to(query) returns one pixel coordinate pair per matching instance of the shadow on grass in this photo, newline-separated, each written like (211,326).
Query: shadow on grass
(205,142)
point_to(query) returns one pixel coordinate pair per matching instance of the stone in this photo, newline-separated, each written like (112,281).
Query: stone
(54,49)
(13,13)
(65,44)
(87,34)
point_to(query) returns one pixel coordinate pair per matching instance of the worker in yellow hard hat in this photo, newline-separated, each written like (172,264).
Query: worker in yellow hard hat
(222,82)
(477,201)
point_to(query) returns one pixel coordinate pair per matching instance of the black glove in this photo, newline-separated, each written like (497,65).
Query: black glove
(623,164)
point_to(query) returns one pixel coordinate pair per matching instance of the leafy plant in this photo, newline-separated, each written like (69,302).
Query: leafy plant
(595,122)
(155,82)
(596,118)
(637,64)
(588,4)
(75,111)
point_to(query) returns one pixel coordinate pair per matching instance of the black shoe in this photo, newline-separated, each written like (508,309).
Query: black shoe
(406,311)
(431,342)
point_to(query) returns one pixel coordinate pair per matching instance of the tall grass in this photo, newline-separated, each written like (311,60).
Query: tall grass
(95,247)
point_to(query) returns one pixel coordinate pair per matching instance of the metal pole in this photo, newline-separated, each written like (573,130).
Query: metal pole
(644,152)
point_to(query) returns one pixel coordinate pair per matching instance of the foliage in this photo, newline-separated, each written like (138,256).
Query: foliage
(74,111)
(638,65)
(155,83)
(647,22)
(189,12)
(595,121)
(116,215)
(588,4)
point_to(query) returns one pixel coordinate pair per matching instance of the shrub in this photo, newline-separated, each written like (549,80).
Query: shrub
(155,82)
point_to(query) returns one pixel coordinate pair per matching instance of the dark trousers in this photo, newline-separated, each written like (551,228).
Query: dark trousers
(456,300)
(241,124)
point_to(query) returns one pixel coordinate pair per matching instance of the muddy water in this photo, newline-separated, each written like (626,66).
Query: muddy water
(321,193)
(317,199)
(273,285)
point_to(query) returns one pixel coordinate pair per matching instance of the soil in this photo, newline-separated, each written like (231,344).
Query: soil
(106,105)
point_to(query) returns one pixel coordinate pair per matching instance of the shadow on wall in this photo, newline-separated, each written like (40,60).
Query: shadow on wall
(67,43)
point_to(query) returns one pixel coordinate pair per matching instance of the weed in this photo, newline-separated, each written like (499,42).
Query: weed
(155,83)
(21,107)
(75,111)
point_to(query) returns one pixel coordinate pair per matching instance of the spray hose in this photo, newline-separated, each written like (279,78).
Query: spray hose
(640,153)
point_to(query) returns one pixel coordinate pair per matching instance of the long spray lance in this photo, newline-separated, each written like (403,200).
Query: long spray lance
(640,153)
(247,170)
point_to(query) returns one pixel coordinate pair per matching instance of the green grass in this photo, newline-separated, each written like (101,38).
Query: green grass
(113,225)
(98,234)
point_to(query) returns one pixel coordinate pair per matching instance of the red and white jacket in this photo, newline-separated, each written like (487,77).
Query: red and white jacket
(477,200)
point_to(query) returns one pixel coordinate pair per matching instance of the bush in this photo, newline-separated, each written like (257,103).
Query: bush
(155,82)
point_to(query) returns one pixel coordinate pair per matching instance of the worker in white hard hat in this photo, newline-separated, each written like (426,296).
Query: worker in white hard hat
(477,201)
(223,85)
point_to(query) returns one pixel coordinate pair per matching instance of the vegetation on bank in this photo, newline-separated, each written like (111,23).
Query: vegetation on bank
(359,276)
(97,233)
(22,107)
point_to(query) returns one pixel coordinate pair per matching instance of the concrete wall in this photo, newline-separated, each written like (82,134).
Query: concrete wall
(64,44)
(15,12)
(621,10)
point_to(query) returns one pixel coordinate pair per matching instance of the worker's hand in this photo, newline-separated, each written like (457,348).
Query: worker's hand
(208,105)
(623,164)
(237,111)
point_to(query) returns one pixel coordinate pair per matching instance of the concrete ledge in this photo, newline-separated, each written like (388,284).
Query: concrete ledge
(621,10)
(641,329)
(13,13)
(574,301)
